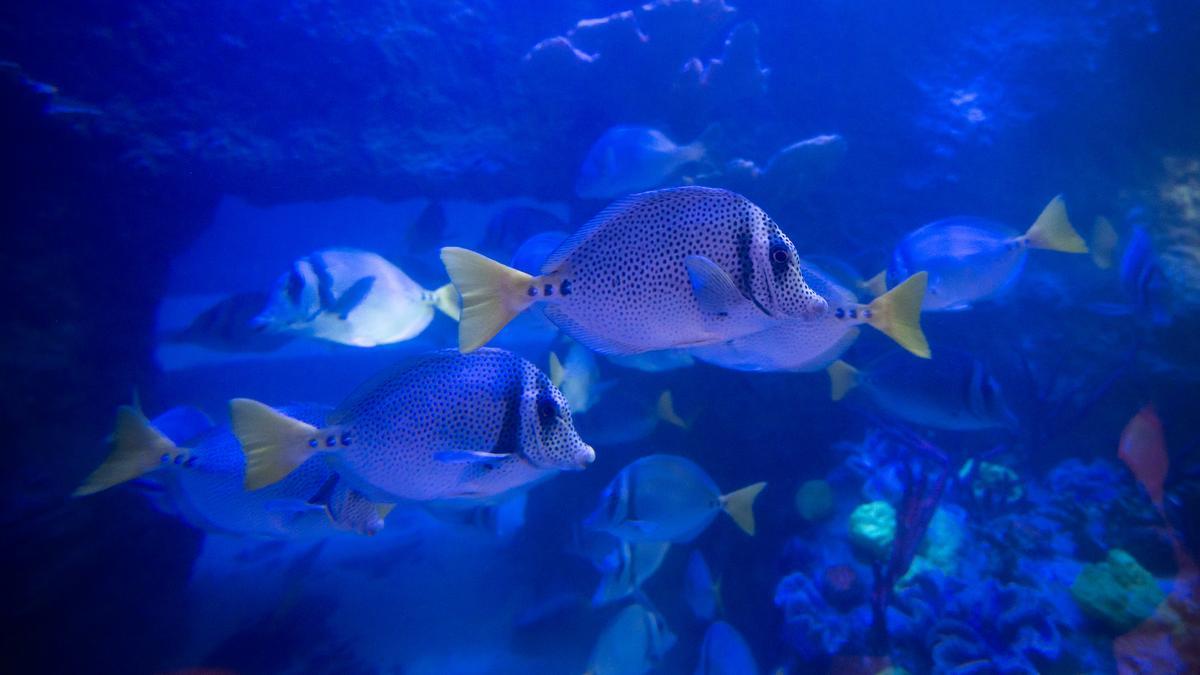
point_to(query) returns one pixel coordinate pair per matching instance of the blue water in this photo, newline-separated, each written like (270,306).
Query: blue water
(161,158)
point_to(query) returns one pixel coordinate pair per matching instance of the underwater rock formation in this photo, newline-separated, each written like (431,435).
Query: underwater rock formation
(1007,626)
(1177,231)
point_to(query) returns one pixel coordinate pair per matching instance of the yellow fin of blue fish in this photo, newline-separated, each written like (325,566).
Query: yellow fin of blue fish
(1053,231)
(137,450)
(445,299)
(492,295)
(897,314)
(739,504)
(274,443)
(842,378)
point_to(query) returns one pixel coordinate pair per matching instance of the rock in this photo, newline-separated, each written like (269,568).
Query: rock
(1117,591)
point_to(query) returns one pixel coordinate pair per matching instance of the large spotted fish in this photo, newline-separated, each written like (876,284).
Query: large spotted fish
(671,268)
(448,426)
(811,345)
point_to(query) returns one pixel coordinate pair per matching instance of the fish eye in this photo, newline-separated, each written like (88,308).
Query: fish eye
(546,409)
(780,255)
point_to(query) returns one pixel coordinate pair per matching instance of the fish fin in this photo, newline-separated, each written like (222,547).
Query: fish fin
(557,373)
(1053,231)
(137,450)
(445,299)
(492,295)
(274,443)
(466,457)
(713,287)
(665,409)
(842,378)
(352,298)
(1104,243)
(876,285)
(739,504)
(897,314)
(384,509)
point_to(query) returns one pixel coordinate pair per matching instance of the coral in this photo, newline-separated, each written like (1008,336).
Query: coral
(996,483)
(814,500)
(811,625)
(1007,628)
(1118,591)
(842,586)
(873,528)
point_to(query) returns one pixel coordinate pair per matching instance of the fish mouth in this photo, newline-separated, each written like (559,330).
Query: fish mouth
(585,457)
(815,308)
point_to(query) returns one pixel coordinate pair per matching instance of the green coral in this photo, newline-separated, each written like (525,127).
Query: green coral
(873,528)
(997,479)
(1118,591)
(814,500)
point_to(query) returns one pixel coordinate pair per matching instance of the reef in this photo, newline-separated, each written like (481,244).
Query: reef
(1118,591)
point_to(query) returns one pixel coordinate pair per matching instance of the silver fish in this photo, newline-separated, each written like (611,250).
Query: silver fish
(668,498)
(673,268)
(625,160)
(448,426)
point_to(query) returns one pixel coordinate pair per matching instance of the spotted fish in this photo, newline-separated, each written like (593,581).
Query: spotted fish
(447,426)
(807,346)
(672,268)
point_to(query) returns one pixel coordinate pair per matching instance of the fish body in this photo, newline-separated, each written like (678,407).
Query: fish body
(447,426)
(673,268)
(667,498)
(973,259)
(352,297)
(229,326)
(703,595)
(626,567)
(632,643)
(628,159)
(954,391)
(1143,448)
(725,652)
(811,345)
(578,377)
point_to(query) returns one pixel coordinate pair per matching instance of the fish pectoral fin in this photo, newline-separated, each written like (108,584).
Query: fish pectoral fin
(714,289)
(352,298)
(467,457)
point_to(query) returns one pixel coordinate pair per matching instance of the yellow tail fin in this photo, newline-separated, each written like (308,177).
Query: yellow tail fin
(1053,231)
(446,300)
(1104,243)
(842,378)
(665,408)
(274,443)
(876,285)
(492,295)
(897,314)
(557,373)
(137,450)
(739,504)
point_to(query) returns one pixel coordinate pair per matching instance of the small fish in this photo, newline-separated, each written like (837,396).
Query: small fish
(230,326)
(632,643)
(955,391)
(703,594)
(352,297)
(626,567)
(655,362)
(447,426)
(515,225)
(972,259)
(668,498)
(807,346)
(501,519)
(201,477)
(578,377)
(1143,449)
(625,160)
(533,252)
(659,270)
(725,652)
(628,418)
(803,161)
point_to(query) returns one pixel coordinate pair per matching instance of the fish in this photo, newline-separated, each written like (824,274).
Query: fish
(703,595)
(681,267)
(1143,448)
(655,362)
(668,498)
(230,326)
(805,160)
(632,643)
(533,252)
(446,426)
(428,231)
(352,297)
(973,259)
(201,478)
(955,391)
(515,225)
(626,567)
(628,159)
(578,378)
(811,345)
(725,652)
(628,418)
(499,518)
(1103,242)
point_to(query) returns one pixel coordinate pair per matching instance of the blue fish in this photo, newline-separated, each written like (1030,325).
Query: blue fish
(629,159)
(230,326)
(725,652)
(703,594)
(973,259)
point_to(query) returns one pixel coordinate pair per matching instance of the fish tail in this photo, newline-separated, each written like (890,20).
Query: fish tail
(445,299)
(665,409)
(492,295)
(876,285)
(739,504)
(1053,231)
(842,378)
(274,443)
(897,314)
(557,372)
(1104,243)
(137,450)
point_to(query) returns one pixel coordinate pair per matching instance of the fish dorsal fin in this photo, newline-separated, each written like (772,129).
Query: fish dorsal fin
(353,297)
(876,285)
(714,289)
(589,228)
